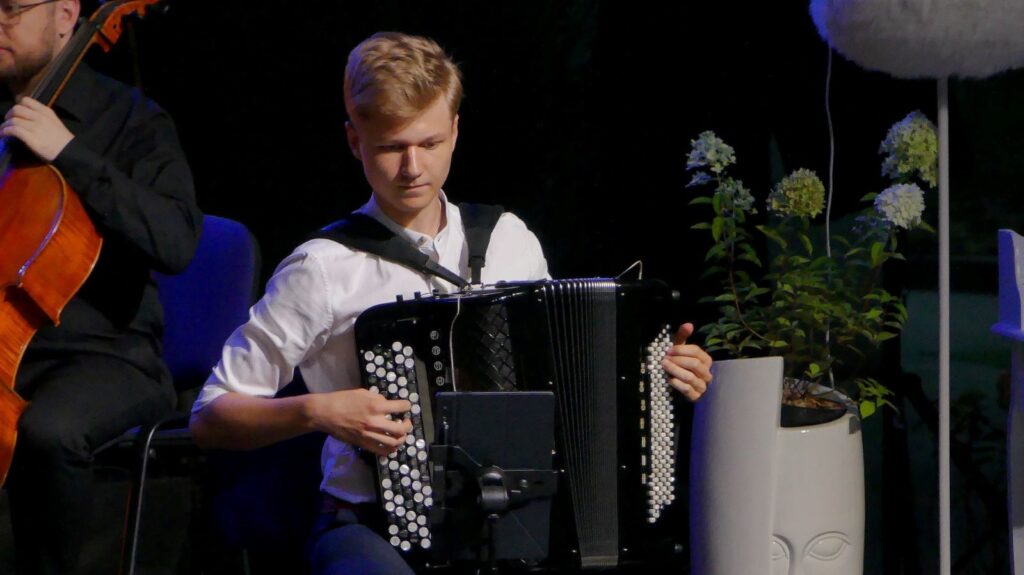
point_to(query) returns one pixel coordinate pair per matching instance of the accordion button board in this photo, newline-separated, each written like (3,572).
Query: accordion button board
(404,475)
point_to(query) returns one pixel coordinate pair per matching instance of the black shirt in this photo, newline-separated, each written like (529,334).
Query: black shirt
(128,168)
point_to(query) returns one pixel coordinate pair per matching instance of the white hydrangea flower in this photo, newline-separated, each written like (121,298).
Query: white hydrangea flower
(741,198)
(911,149)
(801,193)
(709,150)
(901,205)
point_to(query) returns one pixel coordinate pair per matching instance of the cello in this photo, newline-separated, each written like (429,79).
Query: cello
(48,244)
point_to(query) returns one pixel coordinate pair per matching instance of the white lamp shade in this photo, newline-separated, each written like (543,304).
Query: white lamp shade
(925,38)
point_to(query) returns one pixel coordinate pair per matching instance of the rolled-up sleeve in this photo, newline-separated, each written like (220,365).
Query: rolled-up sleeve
(292,320)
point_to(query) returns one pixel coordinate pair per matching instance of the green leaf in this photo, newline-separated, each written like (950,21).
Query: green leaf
(773,235)
(750,258)
(712,270)
(701,226)
(700,200)
(807,244)
(716,202)
(924,226)
(779,343)
(885,336)
(756,292)
(869,197)
(716,228)
(867,409)
(877,250)
(717,250)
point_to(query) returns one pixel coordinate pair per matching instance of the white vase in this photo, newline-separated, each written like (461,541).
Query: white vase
(766,499)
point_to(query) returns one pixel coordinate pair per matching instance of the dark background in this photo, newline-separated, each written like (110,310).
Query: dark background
(578,116)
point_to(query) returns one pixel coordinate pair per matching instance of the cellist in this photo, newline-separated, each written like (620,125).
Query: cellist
(99,372)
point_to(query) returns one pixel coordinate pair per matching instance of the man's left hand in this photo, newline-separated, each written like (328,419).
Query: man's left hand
(688,366)
(38,127)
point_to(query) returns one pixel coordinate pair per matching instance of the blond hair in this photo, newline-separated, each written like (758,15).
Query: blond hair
(395,76)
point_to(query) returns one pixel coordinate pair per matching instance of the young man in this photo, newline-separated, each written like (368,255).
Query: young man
(402,95)
(99,373)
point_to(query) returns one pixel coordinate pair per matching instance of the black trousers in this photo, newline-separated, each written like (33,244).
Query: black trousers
(344,543)
(78,403)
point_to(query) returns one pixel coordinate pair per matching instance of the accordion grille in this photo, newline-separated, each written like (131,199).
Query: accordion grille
(483,347)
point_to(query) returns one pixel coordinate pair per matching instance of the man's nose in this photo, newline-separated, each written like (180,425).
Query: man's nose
(411,163)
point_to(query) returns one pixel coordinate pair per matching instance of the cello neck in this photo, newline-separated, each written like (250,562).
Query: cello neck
(64,65)
(103,28)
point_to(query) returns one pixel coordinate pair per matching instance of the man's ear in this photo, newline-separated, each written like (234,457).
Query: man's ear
(353,139)
(455,130)
(66,16)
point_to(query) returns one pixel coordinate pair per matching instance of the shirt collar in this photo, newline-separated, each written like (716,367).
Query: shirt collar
(372,209)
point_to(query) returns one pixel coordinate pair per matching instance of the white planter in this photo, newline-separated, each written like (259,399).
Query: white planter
(766,499)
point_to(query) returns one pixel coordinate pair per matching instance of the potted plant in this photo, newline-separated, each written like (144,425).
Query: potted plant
(812,312)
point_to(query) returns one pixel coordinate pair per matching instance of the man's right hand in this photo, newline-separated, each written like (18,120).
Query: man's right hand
(362,418)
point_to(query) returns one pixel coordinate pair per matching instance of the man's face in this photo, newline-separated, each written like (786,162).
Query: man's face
(406,164)
(31,38)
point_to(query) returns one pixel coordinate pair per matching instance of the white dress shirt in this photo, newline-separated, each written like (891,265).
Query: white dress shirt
(307,316)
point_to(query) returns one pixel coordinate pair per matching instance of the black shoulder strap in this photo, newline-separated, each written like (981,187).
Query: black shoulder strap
(362,232)
(479,220)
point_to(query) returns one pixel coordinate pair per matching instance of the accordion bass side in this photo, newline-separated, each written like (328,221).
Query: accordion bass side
(597,344)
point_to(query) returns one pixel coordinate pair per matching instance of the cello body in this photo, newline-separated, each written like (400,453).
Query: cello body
(49,247)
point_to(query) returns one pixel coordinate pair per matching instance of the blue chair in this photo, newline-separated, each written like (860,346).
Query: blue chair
(1011,326)
(202,306)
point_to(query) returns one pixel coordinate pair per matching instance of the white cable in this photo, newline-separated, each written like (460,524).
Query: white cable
(451,336)
(828,202)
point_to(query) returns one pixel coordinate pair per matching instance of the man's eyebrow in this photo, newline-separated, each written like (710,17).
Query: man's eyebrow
(438,137)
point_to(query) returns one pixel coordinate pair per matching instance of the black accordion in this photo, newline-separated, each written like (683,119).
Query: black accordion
(595,344)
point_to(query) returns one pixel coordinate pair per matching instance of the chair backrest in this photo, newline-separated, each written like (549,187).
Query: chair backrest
(207,301)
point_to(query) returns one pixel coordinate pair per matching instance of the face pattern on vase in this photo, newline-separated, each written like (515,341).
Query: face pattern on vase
(818,529)
(823,554)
